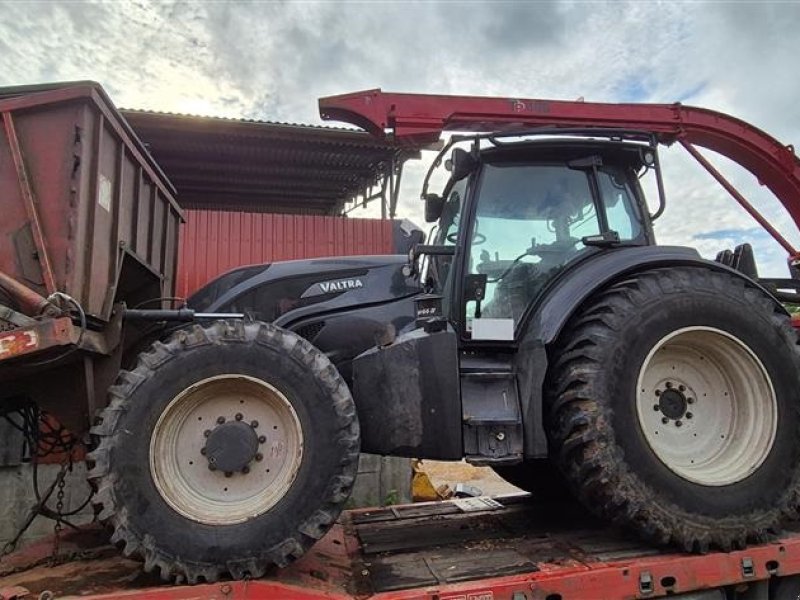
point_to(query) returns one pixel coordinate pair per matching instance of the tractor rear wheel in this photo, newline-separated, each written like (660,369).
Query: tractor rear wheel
(674,408)
(227,449)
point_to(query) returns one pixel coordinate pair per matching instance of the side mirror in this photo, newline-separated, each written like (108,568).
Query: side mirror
(433,207)
(461,164)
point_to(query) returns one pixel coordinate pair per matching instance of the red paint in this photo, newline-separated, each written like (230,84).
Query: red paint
(584,578)
(213,242)
(796,320)
(420,118)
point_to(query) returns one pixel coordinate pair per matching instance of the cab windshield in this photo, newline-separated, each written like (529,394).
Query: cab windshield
(532,219)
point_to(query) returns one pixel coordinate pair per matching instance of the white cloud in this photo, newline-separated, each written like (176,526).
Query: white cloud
(272,60)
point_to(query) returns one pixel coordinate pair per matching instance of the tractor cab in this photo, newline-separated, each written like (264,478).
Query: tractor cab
(514,216)
(526,227)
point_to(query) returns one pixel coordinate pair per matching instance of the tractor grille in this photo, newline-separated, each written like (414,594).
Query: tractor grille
(310,330)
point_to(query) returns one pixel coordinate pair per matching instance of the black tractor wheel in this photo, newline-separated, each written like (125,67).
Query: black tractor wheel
(227,449)
(538,477)
(674,408)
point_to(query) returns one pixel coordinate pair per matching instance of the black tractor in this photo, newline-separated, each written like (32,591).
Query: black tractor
(539,330)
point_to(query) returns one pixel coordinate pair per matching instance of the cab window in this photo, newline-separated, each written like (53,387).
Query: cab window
(529,223)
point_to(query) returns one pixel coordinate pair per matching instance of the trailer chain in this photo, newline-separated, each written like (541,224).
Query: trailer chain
(57,526)
(42,438)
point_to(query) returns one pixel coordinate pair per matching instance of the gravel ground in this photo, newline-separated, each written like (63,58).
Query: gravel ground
(452,473)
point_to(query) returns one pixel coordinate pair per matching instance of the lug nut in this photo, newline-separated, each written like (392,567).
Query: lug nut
(228,474)
(656,407)
(207,432)
(259,456)
(203,450)
(239,416)
(658,393)
(245,470)
(669,385)
(678,423)
(211,467)
(689,415)
(664,420)
(262,439)
(690,400)
(220,420)
(253,424)
(682,388)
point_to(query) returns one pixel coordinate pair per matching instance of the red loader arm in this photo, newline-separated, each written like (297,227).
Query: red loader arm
(421,118)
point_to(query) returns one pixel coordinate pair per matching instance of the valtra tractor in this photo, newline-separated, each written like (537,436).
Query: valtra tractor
(539,330)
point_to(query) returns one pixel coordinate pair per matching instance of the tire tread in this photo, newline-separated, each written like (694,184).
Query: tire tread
(111,509)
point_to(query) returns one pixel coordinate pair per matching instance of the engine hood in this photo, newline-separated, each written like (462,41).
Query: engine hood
(284,292)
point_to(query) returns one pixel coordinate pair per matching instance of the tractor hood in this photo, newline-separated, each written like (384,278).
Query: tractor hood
(284,292)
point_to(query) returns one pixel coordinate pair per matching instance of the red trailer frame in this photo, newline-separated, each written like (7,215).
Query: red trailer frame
(577,563)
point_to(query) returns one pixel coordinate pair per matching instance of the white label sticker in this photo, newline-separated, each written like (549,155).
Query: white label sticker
(493,329)
(104,193)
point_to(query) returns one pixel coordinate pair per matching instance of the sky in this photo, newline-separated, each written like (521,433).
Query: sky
(272,60)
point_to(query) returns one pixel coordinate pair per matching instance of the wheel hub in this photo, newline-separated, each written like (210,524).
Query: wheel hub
(672,404)
(706,406)
(231,447)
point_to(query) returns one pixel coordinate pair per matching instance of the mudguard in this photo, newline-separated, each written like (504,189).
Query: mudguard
(407,397)
(576,285)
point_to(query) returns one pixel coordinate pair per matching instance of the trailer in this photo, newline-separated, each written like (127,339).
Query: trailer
(506,548)
(90,224)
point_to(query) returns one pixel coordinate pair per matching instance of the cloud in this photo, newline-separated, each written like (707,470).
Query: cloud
(272,60)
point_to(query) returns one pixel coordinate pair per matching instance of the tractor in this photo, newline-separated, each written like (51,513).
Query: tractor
(539,330)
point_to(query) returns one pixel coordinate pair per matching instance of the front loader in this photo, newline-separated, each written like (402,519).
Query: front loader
(539,330)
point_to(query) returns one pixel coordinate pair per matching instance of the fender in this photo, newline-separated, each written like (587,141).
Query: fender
(574,286)
(567,294)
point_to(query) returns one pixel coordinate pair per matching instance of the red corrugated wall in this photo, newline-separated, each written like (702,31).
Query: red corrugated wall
(212,242)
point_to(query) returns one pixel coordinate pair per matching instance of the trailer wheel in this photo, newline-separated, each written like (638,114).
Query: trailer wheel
(674,408)
(227,449)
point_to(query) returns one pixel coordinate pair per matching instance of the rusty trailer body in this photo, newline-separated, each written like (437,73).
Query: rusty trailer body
(81,198)
(89,221)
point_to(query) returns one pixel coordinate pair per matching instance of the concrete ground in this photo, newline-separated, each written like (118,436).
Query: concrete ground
(17,498)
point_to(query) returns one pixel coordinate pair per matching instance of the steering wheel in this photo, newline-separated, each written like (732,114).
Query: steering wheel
(477,238)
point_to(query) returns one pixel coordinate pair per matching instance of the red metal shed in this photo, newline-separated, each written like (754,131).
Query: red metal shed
(213,242)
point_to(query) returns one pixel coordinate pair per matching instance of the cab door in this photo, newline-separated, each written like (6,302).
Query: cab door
(529,222)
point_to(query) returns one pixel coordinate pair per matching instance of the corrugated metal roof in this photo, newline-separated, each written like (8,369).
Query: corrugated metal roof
(262,165)
(238,120)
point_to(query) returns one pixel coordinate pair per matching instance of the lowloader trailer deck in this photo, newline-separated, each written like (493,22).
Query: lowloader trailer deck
(511,547)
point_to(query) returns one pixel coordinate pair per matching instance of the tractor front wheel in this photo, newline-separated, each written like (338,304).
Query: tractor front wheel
(227,449)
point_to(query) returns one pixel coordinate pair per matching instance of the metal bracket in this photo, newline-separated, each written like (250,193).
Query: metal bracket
(748,568)
(646,583)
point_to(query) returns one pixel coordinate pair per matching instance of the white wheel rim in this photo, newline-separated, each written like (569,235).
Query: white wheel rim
(181,471)
(706,406)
